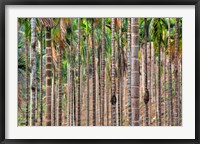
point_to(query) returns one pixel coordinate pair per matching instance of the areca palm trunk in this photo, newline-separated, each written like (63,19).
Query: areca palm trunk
(176,115)
(165,97)
(113,97)
(93,76)
(102,73)
(107,100)
(27,89)
(69,94)
(59,86)
(33,70)
(180,92)
(72,82)
(146,92)
(41,73)
(121,76)
(73,118)
(159,86)
(149,78)
(170,101)
(74,85)
(54,98)
(79,57)
(119,95)
(135,75)
(153,93)
(98,66)
(88,86)
(68,91)
(129,72)
(48,76)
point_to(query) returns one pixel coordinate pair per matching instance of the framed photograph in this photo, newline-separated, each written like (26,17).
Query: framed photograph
(99,71)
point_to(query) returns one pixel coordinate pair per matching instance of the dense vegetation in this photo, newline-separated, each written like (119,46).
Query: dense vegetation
(100,71)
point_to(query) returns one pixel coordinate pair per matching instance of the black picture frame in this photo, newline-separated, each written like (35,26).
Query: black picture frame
(3,4)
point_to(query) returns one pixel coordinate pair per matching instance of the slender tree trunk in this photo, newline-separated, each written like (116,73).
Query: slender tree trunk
(48,76)
(88,85)
(69,94)
(121,69)
(129,72)
(97,91)
(27,87)
(113,97)
(59,86)
(146,92)
(165,97)
(93,76)
(157,96)
(41,80)
(79,95)
(36,102)
(118,77)
(170,101)
(119,95)
(54,97)
(180,94)
(74,85)
(33,69)
(149,78)
(107,100)
(159,86)
(102,72)
(135,74)
(176,115)
(99,85)
(72,80)
(52,100)
(153,94)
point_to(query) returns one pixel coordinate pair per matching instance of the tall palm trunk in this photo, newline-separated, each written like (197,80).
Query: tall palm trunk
(74,85)
(153,93)
(180,92)
(41,81)
(79,57)
(102,73)
(165,97)
(69,92)
(59,86)
(33,70)
(121,76)
(176,115)
(135,75)
(54,97)
(107,100)
(159,86)
(129,72)
(73,118)
(149,73)
(88,86)
(27,89)
(93,76)
(48,76)
(72,82)
(98,74)
(170,101)
(146,92)
(113,98)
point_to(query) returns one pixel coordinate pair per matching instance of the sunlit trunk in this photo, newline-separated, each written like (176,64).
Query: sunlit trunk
(176,76)
(33,70)
(135,75)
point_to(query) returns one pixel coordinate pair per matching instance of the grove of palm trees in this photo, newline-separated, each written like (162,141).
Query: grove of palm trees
(99,71)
